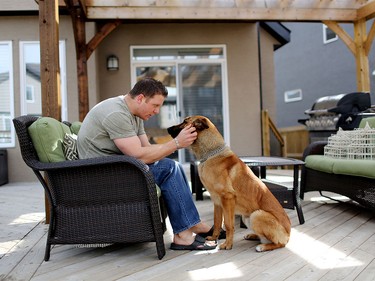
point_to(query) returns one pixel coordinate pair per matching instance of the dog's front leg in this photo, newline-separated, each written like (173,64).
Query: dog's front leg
(228,204)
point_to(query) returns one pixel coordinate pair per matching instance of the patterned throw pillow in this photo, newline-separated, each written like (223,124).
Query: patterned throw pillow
(70,147)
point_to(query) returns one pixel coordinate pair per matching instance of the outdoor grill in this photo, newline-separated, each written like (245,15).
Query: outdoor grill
(332,112)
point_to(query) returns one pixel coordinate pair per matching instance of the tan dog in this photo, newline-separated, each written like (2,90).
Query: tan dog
(235,189)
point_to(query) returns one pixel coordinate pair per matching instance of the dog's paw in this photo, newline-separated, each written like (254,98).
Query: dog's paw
(211,238)
(251,236)
(226,246)
(259,248)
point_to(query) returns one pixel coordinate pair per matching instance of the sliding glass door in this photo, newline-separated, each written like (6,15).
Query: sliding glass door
(194,77)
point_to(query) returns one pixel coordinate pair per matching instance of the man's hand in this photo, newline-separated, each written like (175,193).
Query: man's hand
(187,136)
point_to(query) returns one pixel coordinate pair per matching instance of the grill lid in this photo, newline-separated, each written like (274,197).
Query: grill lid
(341,104)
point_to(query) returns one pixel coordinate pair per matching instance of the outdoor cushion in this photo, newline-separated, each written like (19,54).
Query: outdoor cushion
(320,163)
(351,167)
(369,120)
(47,135)
(357,167)
(75,127)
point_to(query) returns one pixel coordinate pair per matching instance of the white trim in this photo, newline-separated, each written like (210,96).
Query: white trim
(176,61)
(11,97)
(63,82)
(32,99)
(325,40)
(293,95)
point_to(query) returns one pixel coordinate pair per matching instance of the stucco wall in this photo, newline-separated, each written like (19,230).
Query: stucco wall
(242,68)
(26,28)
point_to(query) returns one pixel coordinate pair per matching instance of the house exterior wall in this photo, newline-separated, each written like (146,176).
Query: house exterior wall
(316,68)
(26,28)
(242,68)
(243,85)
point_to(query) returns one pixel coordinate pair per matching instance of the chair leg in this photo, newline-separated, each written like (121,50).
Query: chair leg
(47,252)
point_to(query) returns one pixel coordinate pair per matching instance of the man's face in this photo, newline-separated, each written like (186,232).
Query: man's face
(148,107)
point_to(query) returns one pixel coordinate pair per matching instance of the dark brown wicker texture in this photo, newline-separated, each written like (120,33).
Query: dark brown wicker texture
(359,189)
(102,200)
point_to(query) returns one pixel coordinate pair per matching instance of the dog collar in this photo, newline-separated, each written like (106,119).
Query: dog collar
(213,153)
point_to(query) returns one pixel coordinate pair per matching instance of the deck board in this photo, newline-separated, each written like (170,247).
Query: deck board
(337,242)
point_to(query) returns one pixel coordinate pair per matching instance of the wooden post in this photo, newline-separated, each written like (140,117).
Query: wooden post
(265,133)
(361,57)
(49,58)
(49,64)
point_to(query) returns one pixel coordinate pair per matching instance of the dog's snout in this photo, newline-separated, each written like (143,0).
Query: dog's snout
(174,131)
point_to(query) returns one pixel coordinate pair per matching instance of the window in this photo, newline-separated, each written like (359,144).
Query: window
(328,35)
(195,77)
(293,95)
(7,136)
(31,92)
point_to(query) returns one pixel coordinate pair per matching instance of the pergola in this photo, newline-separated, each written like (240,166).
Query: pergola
(113,12)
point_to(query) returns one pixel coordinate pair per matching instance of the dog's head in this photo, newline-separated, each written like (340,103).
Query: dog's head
(199,122)
(208,138)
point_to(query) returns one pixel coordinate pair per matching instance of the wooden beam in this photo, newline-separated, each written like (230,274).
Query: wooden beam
(49,65)
(214,13)
(103,32)
(362,62)
(79,30)
(344,36)
(360,47)
(49,58)
(367,11)
(370,38)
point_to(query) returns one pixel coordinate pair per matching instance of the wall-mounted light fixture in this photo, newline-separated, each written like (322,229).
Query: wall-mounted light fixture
(112,62)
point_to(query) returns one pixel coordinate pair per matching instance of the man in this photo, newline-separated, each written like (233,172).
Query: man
(115,126)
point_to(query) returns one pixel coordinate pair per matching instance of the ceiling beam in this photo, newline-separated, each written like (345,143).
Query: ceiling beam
(209,13)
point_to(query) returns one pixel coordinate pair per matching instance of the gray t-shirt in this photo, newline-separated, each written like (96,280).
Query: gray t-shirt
(108,120)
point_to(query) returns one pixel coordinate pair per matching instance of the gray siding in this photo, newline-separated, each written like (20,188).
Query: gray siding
(316,68)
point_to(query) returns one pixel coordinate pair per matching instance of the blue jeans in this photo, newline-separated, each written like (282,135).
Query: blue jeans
(170,177)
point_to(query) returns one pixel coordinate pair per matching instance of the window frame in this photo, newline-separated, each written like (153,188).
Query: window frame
(325,34)
(63,82)
(10,144)
(289,93)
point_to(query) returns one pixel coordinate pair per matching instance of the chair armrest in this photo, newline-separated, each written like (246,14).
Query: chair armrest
(98,161)
(315,148)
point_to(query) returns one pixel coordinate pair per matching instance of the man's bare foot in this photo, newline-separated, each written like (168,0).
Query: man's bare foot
(187,237)
(201,228)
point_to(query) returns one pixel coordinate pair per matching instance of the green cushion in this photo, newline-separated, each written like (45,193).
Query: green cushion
(320,163)
(47,135)
(75,127)
(370,120)
(361,168)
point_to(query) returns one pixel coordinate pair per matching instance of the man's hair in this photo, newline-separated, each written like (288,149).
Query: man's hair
(149,87)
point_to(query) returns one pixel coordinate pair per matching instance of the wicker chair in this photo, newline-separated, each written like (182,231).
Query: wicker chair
(101,200)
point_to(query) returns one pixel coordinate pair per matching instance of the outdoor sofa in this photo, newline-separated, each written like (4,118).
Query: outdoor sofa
(351,177)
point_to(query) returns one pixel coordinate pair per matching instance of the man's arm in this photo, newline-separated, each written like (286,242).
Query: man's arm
(140,148)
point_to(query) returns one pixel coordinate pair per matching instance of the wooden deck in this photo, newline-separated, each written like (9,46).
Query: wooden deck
(337,242)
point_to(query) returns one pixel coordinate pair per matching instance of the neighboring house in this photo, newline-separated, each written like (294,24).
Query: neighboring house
(205,66)
(314,64)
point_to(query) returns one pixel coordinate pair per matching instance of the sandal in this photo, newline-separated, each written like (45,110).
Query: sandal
(198,244)
(222,234)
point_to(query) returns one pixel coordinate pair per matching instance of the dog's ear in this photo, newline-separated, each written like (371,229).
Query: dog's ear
(200,124)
